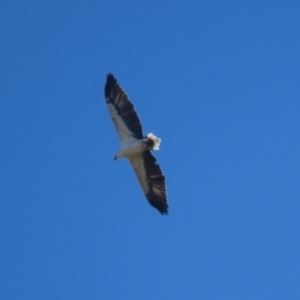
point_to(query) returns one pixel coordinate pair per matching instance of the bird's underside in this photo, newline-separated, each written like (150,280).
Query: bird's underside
(135,146)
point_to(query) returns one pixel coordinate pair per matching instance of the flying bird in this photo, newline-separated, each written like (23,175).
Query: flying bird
(135,146)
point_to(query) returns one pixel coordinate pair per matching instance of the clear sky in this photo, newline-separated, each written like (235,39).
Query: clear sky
(218,81)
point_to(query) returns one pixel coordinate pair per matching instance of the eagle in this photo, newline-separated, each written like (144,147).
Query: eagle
(135,146)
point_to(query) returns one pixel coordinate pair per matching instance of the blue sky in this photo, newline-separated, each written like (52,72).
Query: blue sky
(218,81)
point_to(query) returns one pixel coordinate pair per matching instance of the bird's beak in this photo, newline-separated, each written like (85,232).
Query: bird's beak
(115,157)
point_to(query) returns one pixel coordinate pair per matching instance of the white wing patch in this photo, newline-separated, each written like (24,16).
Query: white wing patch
(123,131)
(139,168)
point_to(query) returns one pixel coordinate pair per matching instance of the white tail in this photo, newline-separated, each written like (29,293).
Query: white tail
(155,139)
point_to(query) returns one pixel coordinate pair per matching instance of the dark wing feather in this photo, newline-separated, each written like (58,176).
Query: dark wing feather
(122,111)
(152,180)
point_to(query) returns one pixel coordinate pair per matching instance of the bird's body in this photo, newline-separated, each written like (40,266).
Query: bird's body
(131,147)
(135,146)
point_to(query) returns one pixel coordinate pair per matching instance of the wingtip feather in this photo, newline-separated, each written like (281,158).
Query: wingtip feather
(111,81)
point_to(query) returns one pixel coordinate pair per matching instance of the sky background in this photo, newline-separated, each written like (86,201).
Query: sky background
(218,81)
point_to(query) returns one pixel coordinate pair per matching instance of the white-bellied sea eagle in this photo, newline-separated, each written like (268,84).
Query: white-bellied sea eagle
(135,146)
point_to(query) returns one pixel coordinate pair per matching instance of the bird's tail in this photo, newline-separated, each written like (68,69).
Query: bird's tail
(155,140)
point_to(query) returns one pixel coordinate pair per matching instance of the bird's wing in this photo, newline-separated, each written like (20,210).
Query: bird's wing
(152,180)
(122,111)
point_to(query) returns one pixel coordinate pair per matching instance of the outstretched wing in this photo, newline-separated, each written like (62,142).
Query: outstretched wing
(122,111)
(152,180)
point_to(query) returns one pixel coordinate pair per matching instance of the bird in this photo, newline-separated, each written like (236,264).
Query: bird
(135,146)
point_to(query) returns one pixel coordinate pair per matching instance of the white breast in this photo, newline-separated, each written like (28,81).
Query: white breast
(132,147)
